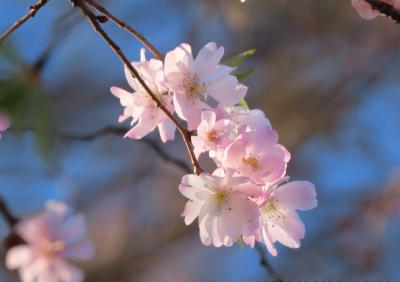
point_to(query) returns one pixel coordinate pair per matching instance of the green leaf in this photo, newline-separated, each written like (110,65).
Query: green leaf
(240,242)
(24,101)
(244,104)
(242,75)
(238,60)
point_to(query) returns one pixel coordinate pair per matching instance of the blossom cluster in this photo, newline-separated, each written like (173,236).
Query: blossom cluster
(365,10)
(248,197)
(50,237)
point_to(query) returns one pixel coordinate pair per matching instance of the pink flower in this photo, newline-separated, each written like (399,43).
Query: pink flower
(52,237)
(199,83)
(212,135)
(4,122)
(257,155)
(222,204)
(251,120)
(365,10)
(139,106)
(279,220)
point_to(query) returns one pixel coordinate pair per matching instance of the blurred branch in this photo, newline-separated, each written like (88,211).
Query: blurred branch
(13,239)
(265,263)
(32,12)
(125,27)
(121,131)
(386,9)
(59,32)
(86,12)
(8,216)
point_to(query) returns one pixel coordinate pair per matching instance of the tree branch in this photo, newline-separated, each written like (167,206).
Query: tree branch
(13,239)
(265,263)
(8,216)
(117,50)
(125,27)
(386,9)
(32,12)
(121,131)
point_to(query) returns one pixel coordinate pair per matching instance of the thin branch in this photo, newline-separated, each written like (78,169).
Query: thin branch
(12,239)
(386,9)
(32,12)
(117,50)
(121,131)
(8,216)
(265,263)
(125,27)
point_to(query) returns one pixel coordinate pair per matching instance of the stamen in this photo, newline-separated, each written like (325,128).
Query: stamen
(251,161)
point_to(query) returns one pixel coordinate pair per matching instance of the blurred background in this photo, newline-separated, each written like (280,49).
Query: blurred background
(328,80)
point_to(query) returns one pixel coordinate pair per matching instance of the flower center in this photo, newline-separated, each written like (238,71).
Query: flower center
(213,136)
(251,161)
(54,247)
(192,86)
(268,207)
(221,197)
(271,214)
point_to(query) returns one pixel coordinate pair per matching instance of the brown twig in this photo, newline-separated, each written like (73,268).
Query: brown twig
(32,12)
(125,27)
(265,263)
(117,50)
(8,216)
(12,239)
(385,9)
(121,131)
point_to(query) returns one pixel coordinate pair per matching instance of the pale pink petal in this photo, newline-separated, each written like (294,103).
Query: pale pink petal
(178,59)
(364,9)
(208,58)
(227,91)
(268,241)
(167,130)
(146,124)
(233,155)
(299,195)
(18,256)
(288,231)
(189,109)
(5,122)
(191,211)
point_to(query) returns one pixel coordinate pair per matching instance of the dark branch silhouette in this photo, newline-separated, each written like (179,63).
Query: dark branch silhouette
(120,131)
(385,9)
(32,12)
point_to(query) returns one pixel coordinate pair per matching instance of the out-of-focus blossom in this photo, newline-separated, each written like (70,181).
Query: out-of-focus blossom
(212,135)
(139,106)
(223,206)
(4,122)
(52,237)
(201,83)
(257,155)
(367,12)
(279,220)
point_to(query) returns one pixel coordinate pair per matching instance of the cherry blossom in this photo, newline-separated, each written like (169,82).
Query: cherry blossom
(279,220)
(212,135)
(52,237)
(257,155)
(4,122)
(201,83)
(250,119)
(139,106)
(222,204)
(365,10)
